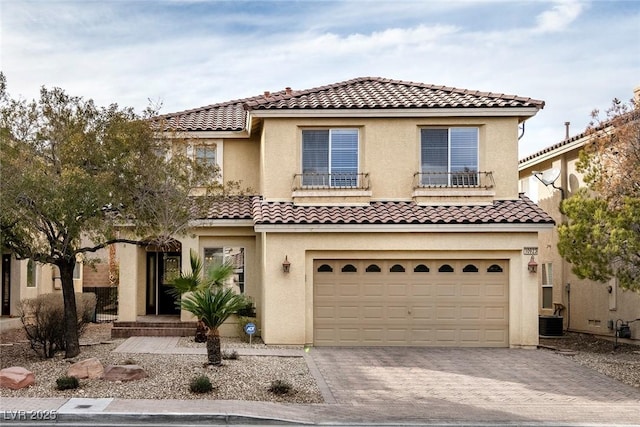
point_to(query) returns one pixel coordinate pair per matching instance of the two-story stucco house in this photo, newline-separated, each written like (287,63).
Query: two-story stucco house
(386,213)
(585,305)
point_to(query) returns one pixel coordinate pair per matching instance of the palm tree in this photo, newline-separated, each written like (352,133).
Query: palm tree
(213,305)
(216,275)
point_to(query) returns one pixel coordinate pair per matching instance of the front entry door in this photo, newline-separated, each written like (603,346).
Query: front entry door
(6,284)
(162,268)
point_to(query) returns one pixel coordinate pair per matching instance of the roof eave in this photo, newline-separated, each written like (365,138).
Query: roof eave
(405,228)
(520,112)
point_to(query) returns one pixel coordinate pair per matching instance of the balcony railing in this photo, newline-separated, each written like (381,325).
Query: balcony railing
(453,180)
(323,181)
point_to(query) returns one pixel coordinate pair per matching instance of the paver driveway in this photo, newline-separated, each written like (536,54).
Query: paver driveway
(489,385)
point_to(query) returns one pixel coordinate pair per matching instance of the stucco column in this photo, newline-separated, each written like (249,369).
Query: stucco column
(188,243)
(128,286)
(529,298)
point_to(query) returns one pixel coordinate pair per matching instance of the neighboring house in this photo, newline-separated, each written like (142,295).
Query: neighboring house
(385,213)
(585,305)
(23,279)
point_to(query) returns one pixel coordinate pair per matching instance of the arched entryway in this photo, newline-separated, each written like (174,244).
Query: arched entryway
(163,265)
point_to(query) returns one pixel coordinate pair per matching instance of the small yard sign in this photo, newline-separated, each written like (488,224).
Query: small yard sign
(250,329)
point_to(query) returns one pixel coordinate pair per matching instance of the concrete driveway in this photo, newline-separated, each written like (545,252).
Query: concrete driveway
(416,385)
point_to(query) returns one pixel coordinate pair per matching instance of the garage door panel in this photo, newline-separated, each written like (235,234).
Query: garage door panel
(496,313)
(397,289)
(397,312)
(470,313)
(470,336)
(446,313)
(399,306)
(495,290)
(373,312)
(373,290)
(471,290)
(420,289)
(422,313)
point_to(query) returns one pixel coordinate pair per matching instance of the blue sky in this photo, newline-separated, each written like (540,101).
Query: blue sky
(574,55)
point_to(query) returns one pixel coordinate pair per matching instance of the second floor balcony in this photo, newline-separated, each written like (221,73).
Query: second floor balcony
(329,181)
(461,179)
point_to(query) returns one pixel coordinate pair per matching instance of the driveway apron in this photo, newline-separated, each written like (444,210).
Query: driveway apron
(474,384)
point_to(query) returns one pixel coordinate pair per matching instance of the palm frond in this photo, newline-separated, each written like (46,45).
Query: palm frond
(219,273)
(213,305)
(187,282)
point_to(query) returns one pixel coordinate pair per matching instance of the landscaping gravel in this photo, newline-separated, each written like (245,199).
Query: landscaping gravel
(169,376)
(247,378)
(621,362)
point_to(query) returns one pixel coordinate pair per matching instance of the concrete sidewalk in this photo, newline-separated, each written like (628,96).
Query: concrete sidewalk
(381,386)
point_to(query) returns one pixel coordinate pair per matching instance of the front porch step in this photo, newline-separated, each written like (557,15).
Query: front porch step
(153,329)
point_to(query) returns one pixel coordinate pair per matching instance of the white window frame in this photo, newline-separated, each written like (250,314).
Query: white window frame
(448,181)
(219,150)
(547,284)
(330,182)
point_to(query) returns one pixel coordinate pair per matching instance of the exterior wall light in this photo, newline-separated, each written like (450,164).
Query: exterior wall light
(533,265)
(286,265)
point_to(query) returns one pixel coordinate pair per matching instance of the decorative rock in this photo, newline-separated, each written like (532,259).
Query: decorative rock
(16,378)
(123,373)
(88,368)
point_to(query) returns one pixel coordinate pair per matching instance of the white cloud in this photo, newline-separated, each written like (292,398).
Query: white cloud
(559,17)
(115,52)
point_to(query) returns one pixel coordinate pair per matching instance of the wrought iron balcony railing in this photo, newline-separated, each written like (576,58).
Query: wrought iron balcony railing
(317,181)
(465,179)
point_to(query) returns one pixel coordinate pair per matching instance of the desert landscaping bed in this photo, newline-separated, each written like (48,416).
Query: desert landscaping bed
(169,375)
(248,377)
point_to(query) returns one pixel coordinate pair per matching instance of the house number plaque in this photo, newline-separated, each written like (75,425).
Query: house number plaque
(530,251)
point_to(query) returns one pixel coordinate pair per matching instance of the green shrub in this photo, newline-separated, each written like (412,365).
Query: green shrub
(43,320)
(280,387)
(201,384)
(67,383)
(230,355)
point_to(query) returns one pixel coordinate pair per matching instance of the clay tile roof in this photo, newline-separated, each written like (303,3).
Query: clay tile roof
(521,211)
(229,207)
(376,92)
(359,93)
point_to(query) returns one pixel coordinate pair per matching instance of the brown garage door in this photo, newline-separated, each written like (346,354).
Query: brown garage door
(461,303)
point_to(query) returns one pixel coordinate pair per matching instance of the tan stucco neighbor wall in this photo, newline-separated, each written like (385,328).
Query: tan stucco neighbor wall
(288,297)
(589,306)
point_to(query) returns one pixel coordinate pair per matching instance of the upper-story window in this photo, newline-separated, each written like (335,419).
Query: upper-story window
(330,157)
(206,154)
(449,156)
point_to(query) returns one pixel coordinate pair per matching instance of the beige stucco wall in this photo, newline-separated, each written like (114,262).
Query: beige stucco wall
(241,162)
(589,306)
(287,316)
(46,282)
(389,147)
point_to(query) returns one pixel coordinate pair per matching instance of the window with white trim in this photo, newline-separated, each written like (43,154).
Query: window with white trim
(547,285)
(330,157)
(206,154)
(449,156)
